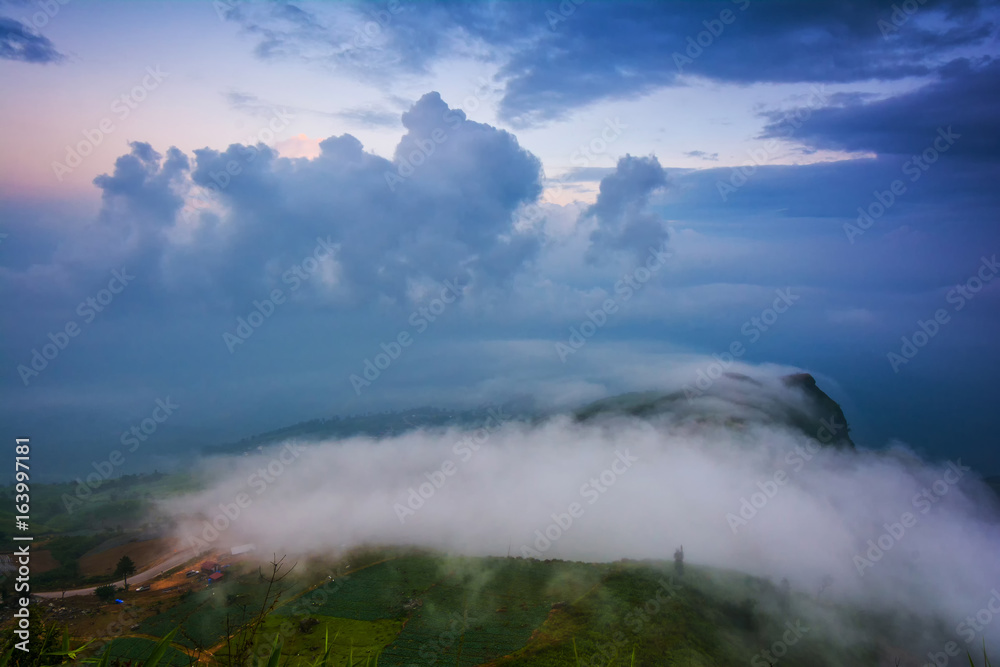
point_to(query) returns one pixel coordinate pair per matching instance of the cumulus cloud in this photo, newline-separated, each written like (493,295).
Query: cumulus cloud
(727,475)
(442,208)
(622,215)
(962,99)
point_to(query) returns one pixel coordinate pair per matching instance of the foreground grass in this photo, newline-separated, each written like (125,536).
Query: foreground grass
(349,641)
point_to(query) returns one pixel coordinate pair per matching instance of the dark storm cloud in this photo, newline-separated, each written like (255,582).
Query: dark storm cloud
(965,97)
(19,42)
(618,50)
(557,57)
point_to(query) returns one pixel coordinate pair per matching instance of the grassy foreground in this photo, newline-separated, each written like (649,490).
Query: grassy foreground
(400,609)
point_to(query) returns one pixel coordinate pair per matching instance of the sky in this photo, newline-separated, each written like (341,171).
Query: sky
(220,218)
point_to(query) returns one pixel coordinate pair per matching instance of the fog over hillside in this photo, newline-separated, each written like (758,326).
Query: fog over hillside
(727,472)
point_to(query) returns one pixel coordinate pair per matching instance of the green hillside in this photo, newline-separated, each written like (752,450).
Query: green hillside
(431,609)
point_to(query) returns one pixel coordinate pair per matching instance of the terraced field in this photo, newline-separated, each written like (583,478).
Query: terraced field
(350,641)
(424,609)
(457,611)
(202,616)
(379,591)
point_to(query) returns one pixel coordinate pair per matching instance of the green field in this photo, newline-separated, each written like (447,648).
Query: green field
(465,611)
(427,610)
(407,609)
(350,641)
(204,615)
(483,609)
(121,503)
(139,648)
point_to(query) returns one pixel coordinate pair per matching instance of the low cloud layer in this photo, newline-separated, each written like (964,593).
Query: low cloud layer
(724,476)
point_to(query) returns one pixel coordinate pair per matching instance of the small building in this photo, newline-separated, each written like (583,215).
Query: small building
(215,576)
(209,566)
(243,548)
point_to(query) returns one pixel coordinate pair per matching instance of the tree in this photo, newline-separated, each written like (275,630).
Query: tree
(105,593)
(679,562)
(125,569)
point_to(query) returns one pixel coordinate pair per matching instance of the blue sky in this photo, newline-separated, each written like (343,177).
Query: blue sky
(335,167)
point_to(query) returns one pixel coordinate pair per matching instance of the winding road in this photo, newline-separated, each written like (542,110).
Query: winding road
(139,578)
